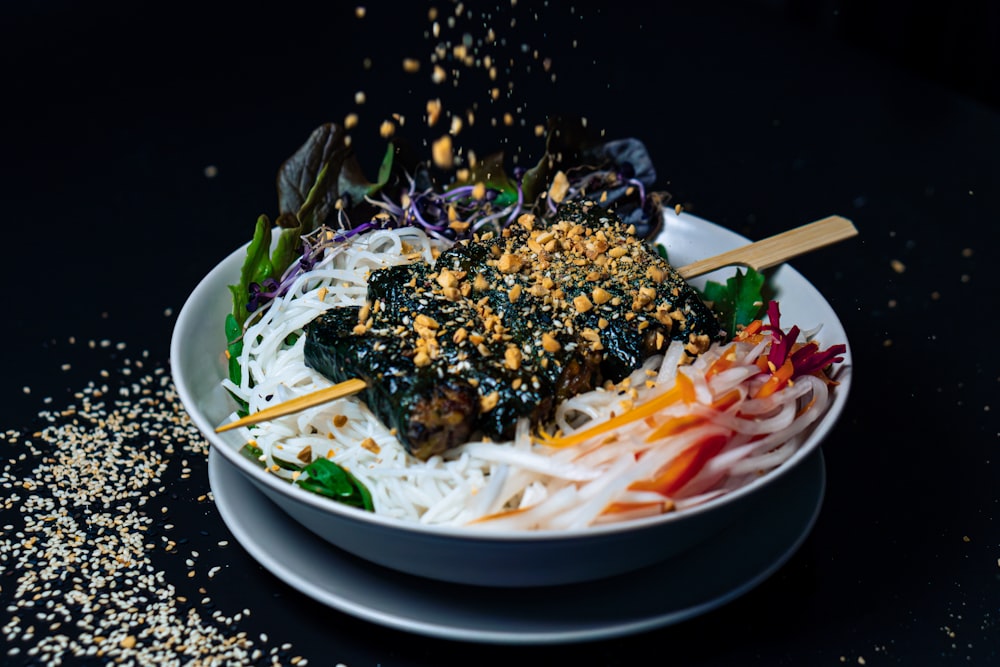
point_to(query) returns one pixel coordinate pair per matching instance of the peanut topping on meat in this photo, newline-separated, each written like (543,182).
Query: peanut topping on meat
(509,263)
(425,326)
(448,278)
(600,296)
(697,343)
(582,303)
(512,357)
(544,309)
(489,401)
(549,343)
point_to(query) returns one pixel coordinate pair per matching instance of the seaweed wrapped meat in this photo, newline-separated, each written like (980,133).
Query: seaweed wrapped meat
(505,326)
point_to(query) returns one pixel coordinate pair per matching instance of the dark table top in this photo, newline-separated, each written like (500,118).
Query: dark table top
(141,145)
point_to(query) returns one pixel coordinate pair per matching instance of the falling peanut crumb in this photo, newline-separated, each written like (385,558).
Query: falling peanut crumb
(442,152)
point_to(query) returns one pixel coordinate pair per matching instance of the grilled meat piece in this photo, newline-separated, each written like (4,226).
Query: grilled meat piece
(507,325)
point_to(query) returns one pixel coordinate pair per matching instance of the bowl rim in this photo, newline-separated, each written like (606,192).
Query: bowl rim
(228,445)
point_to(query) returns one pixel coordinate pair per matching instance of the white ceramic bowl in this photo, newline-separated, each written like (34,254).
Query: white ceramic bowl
(475,557)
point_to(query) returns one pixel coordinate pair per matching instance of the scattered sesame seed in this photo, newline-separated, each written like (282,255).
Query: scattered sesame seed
(85,510)
(80,534)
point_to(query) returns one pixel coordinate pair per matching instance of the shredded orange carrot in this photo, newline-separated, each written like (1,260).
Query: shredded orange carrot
(724,362)
(675,425)
(660,507)
(750,331)
(779,378)
(805,407)
(501,514)
(683,390)
(681,423)
(727,400)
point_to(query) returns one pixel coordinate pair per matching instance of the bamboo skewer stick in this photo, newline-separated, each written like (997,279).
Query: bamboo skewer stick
(759,255)
(776,249)
(298,404)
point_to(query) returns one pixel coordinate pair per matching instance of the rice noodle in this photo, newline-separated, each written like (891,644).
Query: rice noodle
(522,484)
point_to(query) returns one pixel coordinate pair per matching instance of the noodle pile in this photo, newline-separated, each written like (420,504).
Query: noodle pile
(569,480)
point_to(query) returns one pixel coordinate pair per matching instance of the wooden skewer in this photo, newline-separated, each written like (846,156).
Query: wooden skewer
(759,255)
(299,403)
(776,249)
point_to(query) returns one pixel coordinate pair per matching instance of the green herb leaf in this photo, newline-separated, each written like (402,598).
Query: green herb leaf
(384,169)
(256,268)
(289,246)
(738,302)
(329,479)
(490,172)
(234,347)
(253,453)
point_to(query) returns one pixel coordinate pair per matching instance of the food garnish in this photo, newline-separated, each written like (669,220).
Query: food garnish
(556,306)
(522,305)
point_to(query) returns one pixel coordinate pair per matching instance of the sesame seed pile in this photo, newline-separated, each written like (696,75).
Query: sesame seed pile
(89,571)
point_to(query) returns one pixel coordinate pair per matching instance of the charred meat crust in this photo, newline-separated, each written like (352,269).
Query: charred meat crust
(507,325)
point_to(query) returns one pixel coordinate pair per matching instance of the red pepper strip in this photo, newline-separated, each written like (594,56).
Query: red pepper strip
(684,467)
(683,390)
(808,358)
(779,378)
(766,364)
(782,345)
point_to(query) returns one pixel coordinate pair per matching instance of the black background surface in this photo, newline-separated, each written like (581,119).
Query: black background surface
(758,116)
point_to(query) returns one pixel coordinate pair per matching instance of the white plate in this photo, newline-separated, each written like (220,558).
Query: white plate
(680,588)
